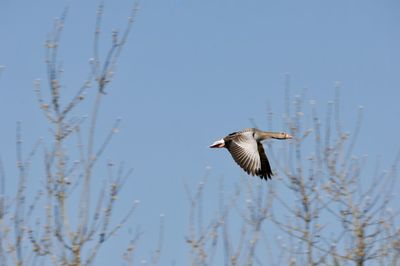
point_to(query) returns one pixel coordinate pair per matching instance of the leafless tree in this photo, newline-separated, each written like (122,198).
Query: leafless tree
(322,207)
(338,214)
(2,67)
(76,220)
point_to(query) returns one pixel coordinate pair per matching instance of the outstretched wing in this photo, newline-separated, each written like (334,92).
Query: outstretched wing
(248,154)
(265,171)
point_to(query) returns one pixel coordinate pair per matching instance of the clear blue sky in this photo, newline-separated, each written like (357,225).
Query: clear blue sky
(194,71)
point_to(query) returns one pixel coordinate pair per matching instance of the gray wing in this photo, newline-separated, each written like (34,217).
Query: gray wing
(265,171)
(245,151)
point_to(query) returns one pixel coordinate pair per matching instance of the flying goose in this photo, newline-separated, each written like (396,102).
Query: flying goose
(248,152)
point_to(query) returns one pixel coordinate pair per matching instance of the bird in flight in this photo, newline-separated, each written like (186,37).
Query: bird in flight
(247,150)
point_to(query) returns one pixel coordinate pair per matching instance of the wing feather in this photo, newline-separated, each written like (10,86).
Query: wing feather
(245,151)
(265,171)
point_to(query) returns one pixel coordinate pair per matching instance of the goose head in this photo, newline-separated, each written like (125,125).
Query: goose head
(264,135)
(282,135)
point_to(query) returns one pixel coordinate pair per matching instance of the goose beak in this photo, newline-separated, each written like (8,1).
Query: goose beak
(287,136)
(218,144)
